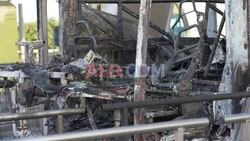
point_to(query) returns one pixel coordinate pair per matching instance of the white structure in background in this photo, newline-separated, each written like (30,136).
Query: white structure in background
(162,15)
(30,12)
(156,10)
(214,20)
(110,8)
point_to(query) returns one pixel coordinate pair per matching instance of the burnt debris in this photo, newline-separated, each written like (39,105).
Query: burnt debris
(86,77)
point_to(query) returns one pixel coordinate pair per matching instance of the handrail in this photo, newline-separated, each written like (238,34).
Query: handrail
(121,131)
(144,128)
(44,114)
(153,1)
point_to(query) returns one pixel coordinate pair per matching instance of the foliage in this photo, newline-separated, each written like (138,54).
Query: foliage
(30,30)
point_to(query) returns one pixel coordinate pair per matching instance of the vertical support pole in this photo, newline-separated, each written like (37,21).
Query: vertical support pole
(20,17)
(61,25)
(70,11)
(248,47)
(212,23)
(248,36)
(59,123)
(43,32)
(23,124)
(117,118)
(30,57)
(170,14)
(141,57)
(125,116)
(179,134)
(45,127)
(26,54)
(120,22)
(125,121)
(14,107)
(248,129)
(21,31)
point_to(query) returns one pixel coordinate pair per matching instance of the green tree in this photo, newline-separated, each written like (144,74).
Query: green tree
(30,30)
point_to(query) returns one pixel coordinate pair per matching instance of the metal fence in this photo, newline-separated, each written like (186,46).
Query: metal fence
(115,132)
(128,130)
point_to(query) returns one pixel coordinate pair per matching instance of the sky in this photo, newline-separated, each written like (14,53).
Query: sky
(29,9)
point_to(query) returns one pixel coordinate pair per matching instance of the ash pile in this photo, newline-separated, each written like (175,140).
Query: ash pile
(87,78)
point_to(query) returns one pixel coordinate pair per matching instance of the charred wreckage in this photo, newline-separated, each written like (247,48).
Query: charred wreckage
(190,71)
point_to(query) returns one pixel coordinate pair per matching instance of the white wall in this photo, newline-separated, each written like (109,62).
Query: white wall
(29,9)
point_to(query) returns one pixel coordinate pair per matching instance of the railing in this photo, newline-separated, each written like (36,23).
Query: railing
(121,131)
(153,1)
(145,128)
(35,115)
